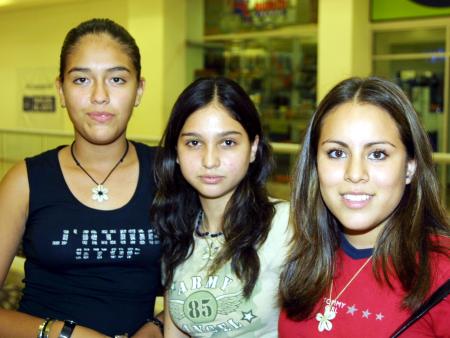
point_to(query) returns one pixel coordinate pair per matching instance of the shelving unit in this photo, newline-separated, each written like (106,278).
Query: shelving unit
(415,54)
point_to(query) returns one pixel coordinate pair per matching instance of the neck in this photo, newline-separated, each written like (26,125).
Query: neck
(212,216)
(363,239)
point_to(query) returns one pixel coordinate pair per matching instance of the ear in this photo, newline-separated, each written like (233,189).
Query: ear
(410,170)
(59,89)
(254,149)
(140,91)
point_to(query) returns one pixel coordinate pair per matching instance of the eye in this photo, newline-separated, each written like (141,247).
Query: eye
(377,155)
(229,143)
(336,153)
(118,80)
(192,143)
(80,80)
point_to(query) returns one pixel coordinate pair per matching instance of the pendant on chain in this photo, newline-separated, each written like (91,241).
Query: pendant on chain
(100,193)
(325,318)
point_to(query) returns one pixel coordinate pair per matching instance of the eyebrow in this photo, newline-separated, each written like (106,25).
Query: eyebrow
(223,134)
(109,70)
(368,145)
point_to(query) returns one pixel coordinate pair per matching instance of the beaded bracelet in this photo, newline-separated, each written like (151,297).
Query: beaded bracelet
(157,322)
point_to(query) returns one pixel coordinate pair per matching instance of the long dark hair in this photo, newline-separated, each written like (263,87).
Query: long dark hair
(403,246)
(248,213)
(98,26)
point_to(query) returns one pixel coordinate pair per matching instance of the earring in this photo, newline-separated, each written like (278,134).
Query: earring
(408,177)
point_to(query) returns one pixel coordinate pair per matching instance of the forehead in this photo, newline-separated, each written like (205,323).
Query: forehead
(212,118)
(94,48)
(359,122)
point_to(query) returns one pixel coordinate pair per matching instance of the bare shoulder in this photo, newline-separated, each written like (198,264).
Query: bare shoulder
(15,191)
(15,180)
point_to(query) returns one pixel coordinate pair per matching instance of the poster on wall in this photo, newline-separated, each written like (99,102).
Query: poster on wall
(38,99)
(381,10)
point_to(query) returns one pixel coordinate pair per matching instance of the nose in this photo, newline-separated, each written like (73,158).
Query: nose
(211,158)
(356,170)
(100,93)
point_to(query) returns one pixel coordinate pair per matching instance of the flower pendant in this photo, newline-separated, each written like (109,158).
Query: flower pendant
(325,319)
(100,193)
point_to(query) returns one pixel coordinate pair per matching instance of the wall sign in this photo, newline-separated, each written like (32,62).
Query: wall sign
(38,91)
(381,10)
(37,101)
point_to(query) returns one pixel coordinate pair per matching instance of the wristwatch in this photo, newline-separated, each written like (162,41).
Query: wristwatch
(67,329)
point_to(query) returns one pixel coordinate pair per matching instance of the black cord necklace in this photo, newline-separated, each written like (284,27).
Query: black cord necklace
(198,224)
(100,192)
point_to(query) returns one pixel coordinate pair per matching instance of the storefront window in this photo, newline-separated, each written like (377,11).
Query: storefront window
(279,74)
(416,59)
(234,16)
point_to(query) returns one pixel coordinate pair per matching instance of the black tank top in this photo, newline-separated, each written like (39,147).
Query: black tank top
(98,268)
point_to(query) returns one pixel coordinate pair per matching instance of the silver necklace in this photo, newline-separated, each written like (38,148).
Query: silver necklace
(99,192)
(198,224)
(329,312)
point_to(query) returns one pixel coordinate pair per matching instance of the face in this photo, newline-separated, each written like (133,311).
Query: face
(100,88)
(363,169)
(214,153)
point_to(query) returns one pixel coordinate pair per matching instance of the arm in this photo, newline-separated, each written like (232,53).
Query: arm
(170,329)
(14,198)
(150,330)
(20,325)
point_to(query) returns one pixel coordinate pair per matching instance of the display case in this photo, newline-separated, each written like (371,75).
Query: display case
(415,55)
(279,74)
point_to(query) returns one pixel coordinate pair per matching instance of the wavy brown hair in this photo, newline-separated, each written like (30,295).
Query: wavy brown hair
(248,213)
(403,247)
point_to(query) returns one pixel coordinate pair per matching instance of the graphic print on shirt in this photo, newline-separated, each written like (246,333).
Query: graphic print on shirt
(210,305)
(205,305)
(340,308)
(116,244)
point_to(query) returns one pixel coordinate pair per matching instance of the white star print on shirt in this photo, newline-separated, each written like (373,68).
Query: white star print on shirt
(248,316)
(366,314)
(379,316)
(352,309)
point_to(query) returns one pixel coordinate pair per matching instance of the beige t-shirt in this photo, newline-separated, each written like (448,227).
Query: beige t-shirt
(214,306)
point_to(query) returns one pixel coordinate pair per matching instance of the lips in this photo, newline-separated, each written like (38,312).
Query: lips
(356,201)
(211,179)
(101,116)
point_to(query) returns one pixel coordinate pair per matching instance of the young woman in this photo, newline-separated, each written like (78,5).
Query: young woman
(223,238)
(371,238)
(92,257)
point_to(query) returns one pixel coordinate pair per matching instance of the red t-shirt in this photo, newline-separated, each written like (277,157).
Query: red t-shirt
(370,309)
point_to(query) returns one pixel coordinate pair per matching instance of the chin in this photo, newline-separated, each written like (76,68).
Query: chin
(102,138)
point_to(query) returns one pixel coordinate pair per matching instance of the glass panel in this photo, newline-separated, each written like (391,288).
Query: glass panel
(233,16)
(279,74)
(423,82)
(411,41)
